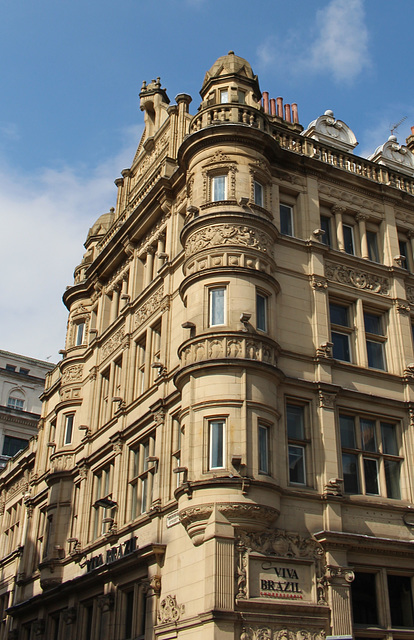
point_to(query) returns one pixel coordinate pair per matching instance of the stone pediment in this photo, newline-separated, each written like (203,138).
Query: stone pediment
(395,156)
(327,130)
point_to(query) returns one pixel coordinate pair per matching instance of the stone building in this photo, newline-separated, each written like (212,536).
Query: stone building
(22,382)
(225,448)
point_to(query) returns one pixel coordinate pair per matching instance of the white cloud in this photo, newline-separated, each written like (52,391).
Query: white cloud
(44,221)
(339,46)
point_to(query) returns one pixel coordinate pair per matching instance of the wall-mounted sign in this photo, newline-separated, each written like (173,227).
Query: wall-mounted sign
(112,554)
(280,579)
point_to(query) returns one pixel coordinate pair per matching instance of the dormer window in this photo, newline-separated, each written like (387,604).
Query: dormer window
(224,96)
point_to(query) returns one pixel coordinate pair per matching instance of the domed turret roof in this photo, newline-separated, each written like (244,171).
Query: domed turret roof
(230,65)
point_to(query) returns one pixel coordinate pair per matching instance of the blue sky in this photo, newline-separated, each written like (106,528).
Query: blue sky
(71,72)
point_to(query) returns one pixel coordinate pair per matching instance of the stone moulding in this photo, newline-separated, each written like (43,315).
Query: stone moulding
(113,342)
(358,278)
(242,514)
(230,345)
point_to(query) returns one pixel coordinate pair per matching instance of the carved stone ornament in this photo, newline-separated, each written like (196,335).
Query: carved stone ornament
(106,602)
(326,400)
(113,342)
(409,371)
(410,295)
(69,615)
(336,574)
(281,633)
(39,627)
(402,307)
(283,544)
(318,282)
(170,611)
(357,278)
(72,374)
(333,132)
(334,487)
(228,234)
(230,345)
(325,350)
(395,156)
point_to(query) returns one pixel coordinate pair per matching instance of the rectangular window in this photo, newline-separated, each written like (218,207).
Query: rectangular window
(15,403)
(217,300)
(80,330)
(140,366)
(261,312)
(401,601)
(375,340)
(218,188)
(141,473)
(104,511)
(241,97)
(295,421)
(326,227)
(340,331)
(258,193)
(403,248)
(364,598)
(370,456)
(12,445)
(176,450)
(216,444)
(263,442)
(224,96)
(286,219)
(68,429)
(372,241)
(348,232)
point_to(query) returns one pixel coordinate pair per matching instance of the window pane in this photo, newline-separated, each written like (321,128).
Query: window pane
(347,426)
(348,239)
(261,312)
(326,226)
(339,314)
(350,473)
(224,96)
(375,353)
(295,421)
(368,438)
(371,476)
(340,349)
(258,194)
(286,224)
(364,600)
(216,444)
(129,610)
(79,333)
(218,188)
(373,324)
(401,601)
(392,478)
(389,439)
(372,246)
(68,429)
(217,306)
(403,246)
(263,449)
(296,464)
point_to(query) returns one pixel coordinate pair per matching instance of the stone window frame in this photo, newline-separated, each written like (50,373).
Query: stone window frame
(229,169)
(260,174)
(140,475)
(208,420)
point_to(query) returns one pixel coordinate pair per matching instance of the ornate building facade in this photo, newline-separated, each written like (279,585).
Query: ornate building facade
(225,448)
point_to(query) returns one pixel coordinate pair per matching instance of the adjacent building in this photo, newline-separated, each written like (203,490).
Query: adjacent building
(22,382)
(225,449)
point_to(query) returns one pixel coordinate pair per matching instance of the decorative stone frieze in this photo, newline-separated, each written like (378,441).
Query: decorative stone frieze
(229,345)
(358,278)
(155,303)
(217,235)
(113,342)
(170,610)
(281,543)
(72,373)
(281,633)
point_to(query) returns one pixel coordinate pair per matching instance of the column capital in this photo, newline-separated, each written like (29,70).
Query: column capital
(338,209)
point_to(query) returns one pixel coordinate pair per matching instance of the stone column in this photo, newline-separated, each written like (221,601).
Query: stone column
(363,234)
(339,580)
(219,563)
(114,304)
(106,606)
(149,266)
(160,250)
(338,212)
